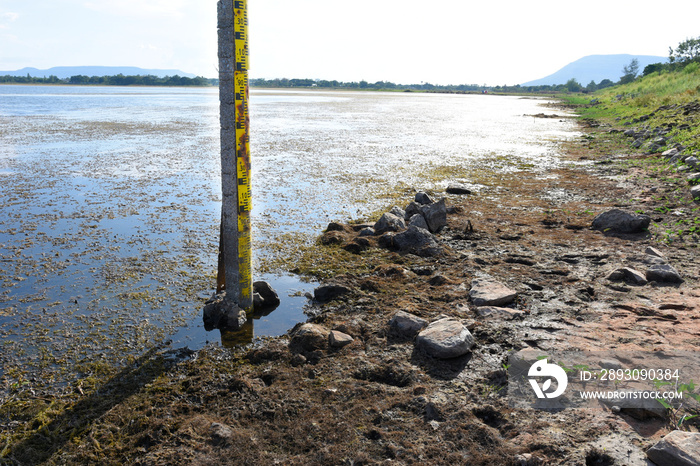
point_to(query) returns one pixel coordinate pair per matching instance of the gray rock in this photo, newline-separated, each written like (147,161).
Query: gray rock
(693,162)
(398,211)
(458,189)
(670,153)
(369,231)
(268,297)
(695,192)
(386,240)
(222,313)
(309,337)
(612,364)
(406,325)
(221,434)
(416,241)
(412,209)
(435,215)
(389,222)
(419,221)
(498,313)
(694,178)
(629,275)
(485,292)
(339,339)
(445,339)
(327,293)
(663,273)
(423,199)
(619,221)
(651,251)
(677,449)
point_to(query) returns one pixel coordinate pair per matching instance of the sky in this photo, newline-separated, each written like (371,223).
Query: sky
(403,41)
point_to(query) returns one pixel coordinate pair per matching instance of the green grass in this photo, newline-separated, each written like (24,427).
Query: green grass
(660,96)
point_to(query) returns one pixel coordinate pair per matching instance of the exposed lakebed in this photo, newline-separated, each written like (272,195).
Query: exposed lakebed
(110,201)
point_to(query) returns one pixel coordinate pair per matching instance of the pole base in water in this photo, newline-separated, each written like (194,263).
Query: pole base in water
(223,314)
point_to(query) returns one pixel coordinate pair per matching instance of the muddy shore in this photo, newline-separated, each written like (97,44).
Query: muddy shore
(381,400)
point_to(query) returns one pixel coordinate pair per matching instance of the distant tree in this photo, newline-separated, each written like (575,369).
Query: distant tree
(605,83)
(653,68)
(686,52)
(573,86)
(592,86)
(630,72)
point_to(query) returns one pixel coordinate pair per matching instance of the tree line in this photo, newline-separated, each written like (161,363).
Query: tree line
(686,53)
(118,80)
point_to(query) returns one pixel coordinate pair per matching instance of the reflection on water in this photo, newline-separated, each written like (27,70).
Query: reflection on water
(265,323)
(110,199)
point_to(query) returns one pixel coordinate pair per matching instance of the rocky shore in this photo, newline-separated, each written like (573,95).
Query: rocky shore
(407,364)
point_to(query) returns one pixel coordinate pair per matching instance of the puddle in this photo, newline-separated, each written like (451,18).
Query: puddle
(270,323)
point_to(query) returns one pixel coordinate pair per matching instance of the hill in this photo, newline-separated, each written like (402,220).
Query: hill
(596,68)
(63,72)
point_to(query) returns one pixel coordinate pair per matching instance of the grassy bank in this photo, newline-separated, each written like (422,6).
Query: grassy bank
(661,99)
(664,107)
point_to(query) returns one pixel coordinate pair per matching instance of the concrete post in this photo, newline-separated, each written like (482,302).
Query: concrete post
(235,255)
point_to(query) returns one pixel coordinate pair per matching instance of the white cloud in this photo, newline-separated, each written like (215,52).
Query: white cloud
(6,18)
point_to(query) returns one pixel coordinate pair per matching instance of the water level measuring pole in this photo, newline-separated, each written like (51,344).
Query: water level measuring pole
(235,273)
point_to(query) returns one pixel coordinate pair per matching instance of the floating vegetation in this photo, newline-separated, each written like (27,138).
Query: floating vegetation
(109,209)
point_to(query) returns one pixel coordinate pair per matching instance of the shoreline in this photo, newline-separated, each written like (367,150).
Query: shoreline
(299,400)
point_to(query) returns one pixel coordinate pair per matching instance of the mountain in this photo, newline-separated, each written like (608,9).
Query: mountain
(596,68)
(63,72)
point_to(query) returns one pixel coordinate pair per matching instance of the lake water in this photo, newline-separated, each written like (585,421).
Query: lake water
(110,199)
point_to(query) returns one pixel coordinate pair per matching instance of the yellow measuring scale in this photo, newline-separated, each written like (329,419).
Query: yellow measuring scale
(245,259)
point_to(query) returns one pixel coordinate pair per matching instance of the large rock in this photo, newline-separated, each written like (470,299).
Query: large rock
(389,222)
(268,296)
(445,339)
(619,221)
(695,192)
(663,273)
(412,209)
(419,221)
(486,292)
(406,325)
(423,198)
(222,313)
(338,339)
(629,275)
(327,293)
(416,241)
(398,211)
(435,215)
(458,189)
(309,337)
(677,449)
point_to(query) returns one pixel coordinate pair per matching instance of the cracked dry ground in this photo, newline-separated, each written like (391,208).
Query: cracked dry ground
(378,400)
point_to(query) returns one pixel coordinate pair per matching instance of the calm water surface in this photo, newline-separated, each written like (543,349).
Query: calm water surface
(110,199)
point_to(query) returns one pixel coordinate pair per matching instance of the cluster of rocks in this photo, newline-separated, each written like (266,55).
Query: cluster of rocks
(445,338)
(222,313)
(687,164)
(617,221)
(653,140)
(658,271)
(409,230)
